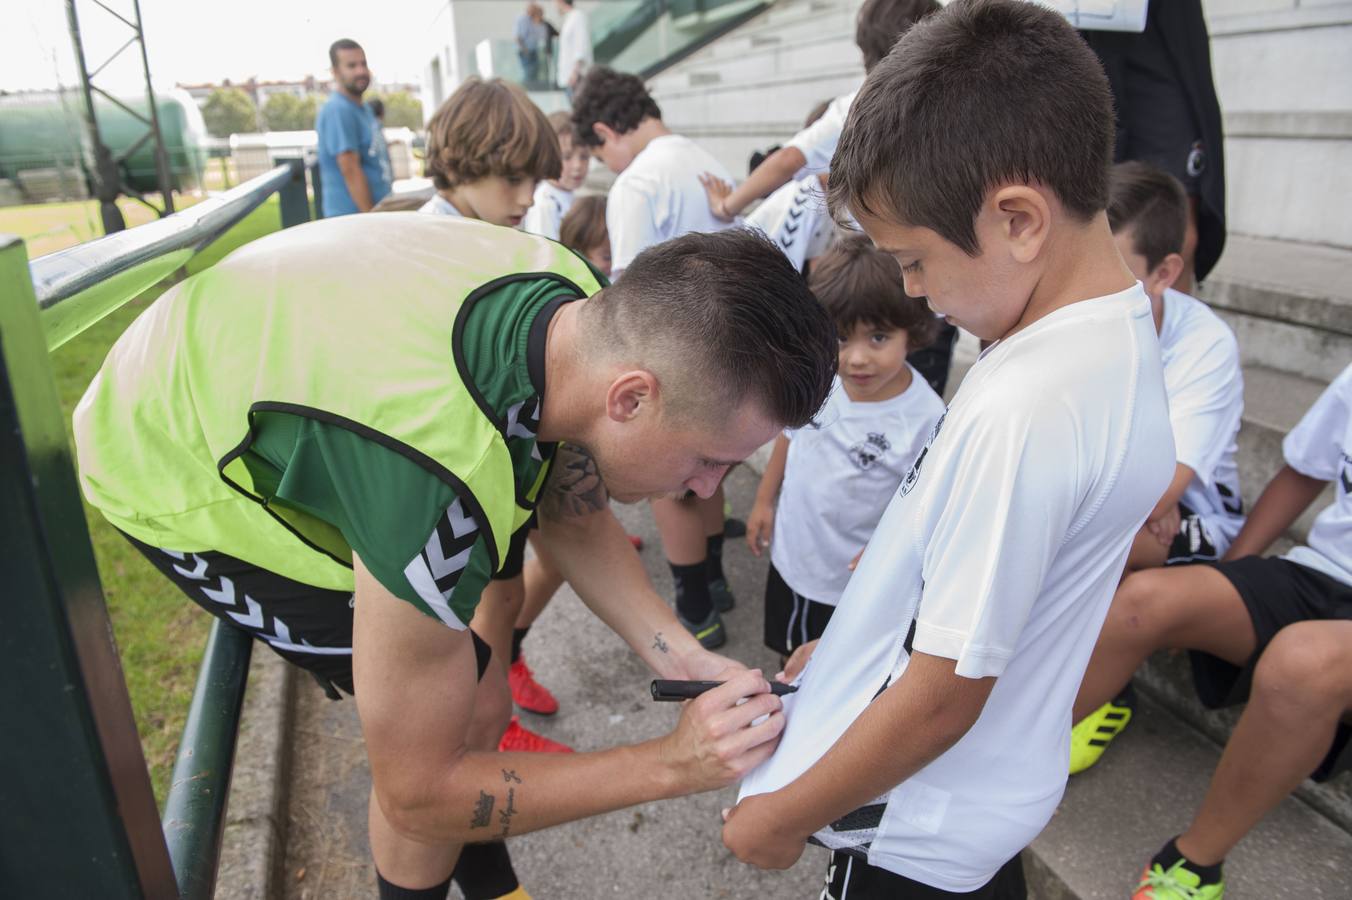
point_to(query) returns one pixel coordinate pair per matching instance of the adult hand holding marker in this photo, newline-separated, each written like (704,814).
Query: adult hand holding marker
(669,689)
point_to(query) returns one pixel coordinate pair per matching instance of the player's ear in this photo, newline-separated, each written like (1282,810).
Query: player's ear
(631,394)
(1023,219)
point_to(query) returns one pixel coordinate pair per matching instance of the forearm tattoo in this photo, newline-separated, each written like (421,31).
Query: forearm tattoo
(575,487)
(483,811)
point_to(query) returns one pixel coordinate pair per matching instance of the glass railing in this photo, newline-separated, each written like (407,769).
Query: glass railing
(639,36)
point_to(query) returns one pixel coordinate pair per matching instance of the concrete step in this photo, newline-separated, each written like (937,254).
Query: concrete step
(759,63)
(1290,304)
(1116,816)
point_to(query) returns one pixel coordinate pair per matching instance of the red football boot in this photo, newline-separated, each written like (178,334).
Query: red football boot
(528,693)
(520,740)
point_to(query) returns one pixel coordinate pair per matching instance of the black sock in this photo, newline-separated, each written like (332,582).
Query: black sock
(1170,854)
(713,561)
(692,592)
(390,891)
(518,635)
(485,871)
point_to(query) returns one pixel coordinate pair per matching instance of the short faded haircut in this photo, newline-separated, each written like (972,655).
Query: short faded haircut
(490,128)
(881,22)
(859,284)
(720,319)
(341,44)
(981,94)
(1153,204)
(584,225)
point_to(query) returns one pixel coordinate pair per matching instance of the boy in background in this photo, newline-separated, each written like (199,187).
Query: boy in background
(926,745)
(487,147)
(554,196)
(583,230)
(657,197)
(1273,631)
(1202,510)
(833,479)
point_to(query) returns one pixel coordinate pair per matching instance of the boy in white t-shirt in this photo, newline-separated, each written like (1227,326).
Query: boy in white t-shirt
(833,478)
(657,196)
(926,744)
(554,196)
(1276,631)
(1202,510)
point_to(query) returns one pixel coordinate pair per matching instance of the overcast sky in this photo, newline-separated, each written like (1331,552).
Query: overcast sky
(197,41)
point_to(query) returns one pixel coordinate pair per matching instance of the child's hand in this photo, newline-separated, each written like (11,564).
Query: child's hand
(717,191)
(756,831)
(760,525)
(858,556)
(1165,527)
(796,662)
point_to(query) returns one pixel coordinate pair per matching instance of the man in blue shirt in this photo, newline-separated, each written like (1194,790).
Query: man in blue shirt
(353,170)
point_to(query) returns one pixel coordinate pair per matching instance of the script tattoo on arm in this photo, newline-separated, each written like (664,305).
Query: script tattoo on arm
(575,487)
(505,814)
(510,775)
(660,643)
(483,811)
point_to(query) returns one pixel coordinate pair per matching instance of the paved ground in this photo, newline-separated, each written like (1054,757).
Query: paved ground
(658,850)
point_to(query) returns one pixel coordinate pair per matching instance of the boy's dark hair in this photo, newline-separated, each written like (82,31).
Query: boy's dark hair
(377,107)
(1153,204)
(615,99)
(720,319)
(816,113)
(341,44)
(584,225)
(490,128)
(858,283)
(985,92)
(881,22)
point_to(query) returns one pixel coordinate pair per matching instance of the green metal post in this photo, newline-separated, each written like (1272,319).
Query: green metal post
(294,200)
(79,815)
(194,811)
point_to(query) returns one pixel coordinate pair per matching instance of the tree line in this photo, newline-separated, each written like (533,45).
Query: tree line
(230,111)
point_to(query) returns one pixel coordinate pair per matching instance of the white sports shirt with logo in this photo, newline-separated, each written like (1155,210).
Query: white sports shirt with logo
(842,470)
(1004,548)
(795,217)
(1321,447)
(546,214)
(1206,402)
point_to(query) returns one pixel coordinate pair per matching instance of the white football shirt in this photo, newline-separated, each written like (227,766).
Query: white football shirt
(1320,446)
(795,217)
(439,206)
(817,142)
(547,212)
(1206,402)
(659,197)
(842,470)
(1003,546)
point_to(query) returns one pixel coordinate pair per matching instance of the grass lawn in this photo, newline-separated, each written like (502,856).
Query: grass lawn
(160,633)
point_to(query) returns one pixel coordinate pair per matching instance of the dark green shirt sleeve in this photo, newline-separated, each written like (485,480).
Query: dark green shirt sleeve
(404,522)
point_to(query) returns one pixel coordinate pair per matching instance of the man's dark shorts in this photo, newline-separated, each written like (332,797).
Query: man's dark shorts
(305,625)
(1276,593)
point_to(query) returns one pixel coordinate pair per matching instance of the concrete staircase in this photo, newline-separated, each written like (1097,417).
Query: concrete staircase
(1289,302)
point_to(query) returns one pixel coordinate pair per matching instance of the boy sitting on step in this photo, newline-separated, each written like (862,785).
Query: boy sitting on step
(831,480)
(1201,511)
(1276,631)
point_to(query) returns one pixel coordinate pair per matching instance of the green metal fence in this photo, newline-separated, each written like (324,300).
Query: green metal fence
(77,814)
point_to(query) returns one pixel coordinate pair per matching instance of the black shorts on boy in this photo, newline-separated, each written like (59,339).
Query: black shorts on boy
(1276,593)
(791,620)
(851,878)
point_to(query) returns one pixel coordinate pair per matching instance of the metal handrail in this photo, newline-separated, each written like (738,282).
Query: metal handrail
(78,286)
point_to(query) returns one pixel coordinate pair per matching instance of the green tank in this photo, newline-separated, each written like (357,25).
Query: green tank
(43,130)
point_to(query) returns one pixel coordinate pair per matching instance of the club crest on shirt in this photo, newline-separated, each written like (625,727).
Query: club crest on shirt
(868,451)
(913,475)
(1345,474)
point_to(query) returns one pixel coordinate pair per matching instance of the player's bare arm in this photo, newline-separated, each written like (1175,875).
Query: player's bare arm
(415,685)
(930,705)
(1286,496)
(594,555)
